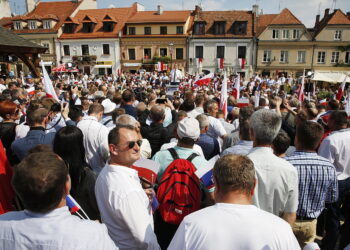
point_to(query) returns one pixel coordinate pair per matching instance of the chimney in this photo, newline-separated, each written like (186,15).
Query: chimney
(317,20)
(326,12)
(255,9)
(197,9)
(159,9)
(348,14)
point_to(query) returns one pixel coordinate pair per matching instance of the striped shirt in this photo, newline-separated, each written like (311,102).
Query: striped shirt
(317,183)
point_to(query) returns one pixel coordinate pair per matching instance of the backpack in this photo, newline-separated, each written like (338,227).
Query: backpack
(178,192)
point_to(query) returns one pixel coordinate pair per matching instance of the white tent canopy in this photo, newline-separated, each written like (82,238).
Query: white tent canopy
(333,77)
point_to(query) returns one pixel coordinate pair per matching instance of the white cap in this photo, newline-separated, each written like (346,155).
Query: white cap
(312,246)
(108,105)
(188,127)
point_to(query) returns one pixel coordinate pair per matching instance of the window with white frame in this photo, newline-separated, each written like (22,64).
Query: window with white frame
(335,57)
(285,34)
(347,57)
(32,25)
(17,25)
(337,35)
(321,57)
(301,57)
(275,34)
(284,56)
(267,56)
(47,24)
(296,34)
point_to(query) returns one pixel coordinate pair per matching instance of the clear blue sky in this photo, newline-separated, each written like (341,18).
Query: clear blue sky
(305,10)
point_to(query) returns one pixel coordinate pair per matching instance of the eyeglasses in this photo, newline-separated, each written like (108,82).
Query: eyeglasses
(132,143)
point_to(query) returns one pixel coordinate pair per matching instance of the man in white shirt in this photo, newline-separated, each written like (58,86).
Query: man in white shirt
(42,183)
(233,223)
(175,76)
(216,129)
(335,147)
(123,204)
(277,180)
(95,137)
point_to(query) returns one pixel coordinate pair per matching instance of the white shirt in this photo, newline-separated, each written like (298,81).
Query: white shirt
(227,226)
(193,113)
(22,130)
(125,208)
(216,129)
(336,148)
(175,75)
(173,143)
(276,189)
(95,142)
(57,229)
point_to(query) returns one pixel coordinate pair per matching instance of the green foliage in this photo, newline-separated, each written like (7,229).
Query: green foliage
(164,59)
(324,94)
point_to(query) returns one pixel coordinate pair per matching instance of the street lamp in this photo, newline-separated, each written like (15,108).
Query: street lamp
(171,48)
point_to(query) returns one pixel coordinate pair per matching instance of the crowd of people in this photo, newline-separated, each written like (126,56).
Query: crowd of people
(280,163)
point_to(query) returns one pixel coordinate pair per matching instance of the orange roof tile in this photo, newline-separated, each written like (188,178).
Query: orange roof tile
(230,17)
(61,10)
(263,21)
(165,17)
(89,19)
(5,21)
(285,18)
(339,18)
(108,18)
(120,15)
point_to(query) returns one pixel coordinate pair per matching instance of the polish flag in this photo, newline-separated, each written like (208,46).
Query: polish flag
(30,91)
(223,98)
(220,63)
(242,102)
(205,80)
(147,170)
(235,91)
(161,66)
(50,91)
(341,89)
(242,62)
(301,88)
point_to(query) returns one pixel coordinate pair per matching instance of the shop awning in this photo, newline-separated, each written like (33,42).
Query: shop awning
(333,77)
(102,66)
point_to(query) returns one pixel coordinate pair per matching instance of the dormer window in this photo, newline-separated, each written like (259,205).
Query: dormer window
(240,28)
(17,25)
(337,35)
(219,28)
(68,28)
(108,26)
(32,25)
(199,28)
(47,24)
(88,27)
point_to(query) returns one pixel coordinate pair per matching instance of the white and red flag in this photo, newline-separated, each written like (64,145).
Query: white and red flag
(205,80)
(341,89)
(237,84)
(223,98)
(301,88)
(50,90)
(161,66)
(220,63)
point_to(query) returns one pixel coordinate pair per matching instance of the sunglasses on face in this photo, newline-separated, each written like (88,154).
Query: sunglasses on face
(132,143)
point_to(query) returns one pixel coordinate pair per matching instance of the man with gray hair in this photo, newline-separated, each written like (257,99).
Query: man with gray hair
(128,120)
(277,180)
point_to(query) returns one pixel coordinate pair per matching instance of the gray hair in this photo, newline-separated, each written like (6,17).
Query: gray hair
(125,120)
(203,121)
(266,124)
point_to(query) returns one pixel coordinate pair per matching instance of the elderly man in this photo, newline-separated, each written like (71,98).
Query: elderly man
(42,183)
(123,204)
(277,180)
(233,222)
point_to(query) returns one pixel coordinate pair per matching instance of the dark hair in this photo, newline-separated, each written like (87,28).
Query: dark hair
(339,117)
(95,108)
(75,112)
(245,113)
(128,95)
(333,105)
(157,113)
(208,105)
(36,113)
(199,99)
(281,143)
(244,130)
(309,135)
(39,181)
(113,136)
(187,105)
(68,144)
(234,173)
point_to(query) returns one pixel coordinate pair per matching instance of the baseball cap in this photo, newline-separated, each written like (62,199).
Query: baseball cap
(188,127)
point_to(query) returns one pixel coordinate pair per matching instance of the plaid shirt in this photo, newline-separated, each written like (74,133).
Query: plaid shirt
(317,183)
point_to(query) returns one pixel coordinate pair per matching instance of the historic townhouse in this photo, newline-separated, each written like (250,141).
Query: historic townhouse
(91,39)
(42,24)
(332,43)
(155,36)
(284,45)
(222,40)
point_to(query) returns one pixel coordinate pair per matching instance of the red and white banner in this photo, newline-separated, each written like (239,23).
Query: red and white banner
(301,88)
(50,90)
(31,91)
(223,98)
(243,102)
(220,63)
(161,66)
(205,80)
(242,62)
(235,91)
(341,89)
(347,105)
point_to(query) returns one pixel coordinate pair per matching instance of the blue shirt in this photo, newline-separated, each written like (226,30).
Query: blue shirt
(209,145)
(130,110)
(34,137)
(241,148)
(317,183)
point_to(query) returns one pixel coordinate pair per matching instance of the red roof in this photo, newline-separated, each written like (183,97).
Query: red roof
(339,18)
(118,15)
(285,18)
(58,11)
(5,21)
(166,17)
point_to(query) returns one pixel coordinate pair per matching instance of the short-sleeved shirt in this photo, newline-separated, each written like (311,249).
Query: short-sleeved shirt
(276,189)
(216,129)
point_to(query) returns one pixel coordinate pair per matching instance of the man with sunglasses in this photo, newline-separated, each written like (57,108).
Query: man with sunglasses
(123,204)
